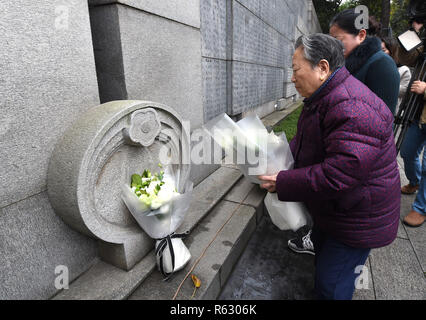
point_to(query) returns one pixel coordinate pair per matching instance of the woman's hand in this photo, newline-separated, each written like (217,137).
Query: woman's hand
(418,87)
(268,182)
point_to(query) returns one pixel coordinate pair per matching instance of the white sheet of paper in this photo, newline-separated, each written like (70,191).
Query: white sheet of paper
(409,39)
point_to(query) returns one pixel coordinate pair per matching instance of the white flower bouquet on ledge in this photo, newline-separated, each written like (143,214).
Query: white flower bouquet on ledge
(256,152)
(159,207)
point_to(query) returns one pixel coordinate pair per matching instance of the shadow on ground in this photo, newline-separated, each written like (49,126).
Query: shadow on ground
(268,270)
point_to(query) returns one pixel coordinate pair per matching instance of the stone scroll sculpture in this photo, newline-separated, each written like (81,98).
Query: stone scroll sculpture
(97,155)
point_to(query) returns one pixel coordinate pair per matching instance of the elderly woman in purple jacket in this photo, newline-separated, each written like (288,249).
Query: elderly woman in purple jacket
(345,166)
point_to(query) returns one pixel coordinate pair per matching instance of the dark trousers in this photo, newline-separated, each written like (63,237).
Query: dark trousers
(335,267)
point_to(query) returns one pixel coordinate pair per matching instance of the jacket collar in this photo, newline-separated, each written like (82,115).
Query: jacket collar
(359,56)
(335,79)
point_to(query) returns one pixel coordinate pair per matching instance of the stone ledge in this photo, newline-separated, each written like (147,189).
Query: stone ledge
(214,268)
(251,193)
(275,117)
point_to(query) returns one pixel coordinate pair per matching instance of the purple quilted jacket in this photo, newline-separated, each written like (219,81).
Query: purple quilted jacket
(345,164)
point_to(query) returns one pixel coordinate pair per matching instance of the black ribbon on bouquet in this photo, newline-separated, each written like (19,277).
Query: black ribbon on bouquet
(167,242)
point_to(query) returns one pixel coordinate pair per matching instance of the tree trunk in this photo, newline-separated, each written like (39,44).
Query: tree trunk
(385,17)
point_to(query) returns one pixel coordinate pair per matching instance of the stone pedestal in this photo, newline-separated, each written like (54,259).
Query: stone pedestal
(97,155)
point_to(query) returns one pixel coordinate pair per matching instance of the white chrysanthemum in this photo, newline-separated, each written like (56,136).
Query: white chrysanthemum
(150,189)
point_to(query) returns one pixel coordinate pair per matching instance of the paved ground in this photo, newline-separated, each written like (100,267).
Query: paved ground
(267,269)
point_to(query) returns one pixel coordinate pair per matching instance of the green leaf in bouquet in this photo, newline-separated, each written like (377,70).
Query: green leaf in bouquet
(160,175)
(136,180)
(146,174)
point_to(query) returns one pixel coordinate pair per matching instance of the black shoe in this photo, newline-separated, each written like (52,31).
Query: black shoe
(302,244)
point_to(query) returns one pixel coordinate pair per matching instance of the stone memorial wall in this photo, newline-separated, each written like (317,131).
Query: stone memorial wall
(61,59)
(48,80)
(247,47)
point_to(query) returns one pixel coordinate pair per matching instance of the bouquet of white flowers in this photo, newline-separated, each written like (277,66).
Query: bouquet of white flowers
(257,152)
(159,207)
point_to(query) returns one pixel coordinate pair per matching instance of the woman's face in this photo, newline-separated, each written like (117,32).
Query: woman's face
(384,49)
(350,42)
(306,79)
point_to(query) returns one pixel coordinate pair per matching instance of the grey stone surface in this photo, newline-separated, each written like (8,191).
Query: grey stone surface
(255,41)
(184,11)
(417,237)
(107,47)
(231,233)
(240,191)
(33,242)
(259,34)
(261,110)
(213,28)
(214,87)
(95,158)
(252,5)
(283,103)
(273,12)
(289,21)
(207,270)
(254,85)
(397,272)
(402,233)
(289,88)
(208,193)
(250,194)
(165,67)
(48,78)
(276,117)
(106,282)
(201,172)
(255,200)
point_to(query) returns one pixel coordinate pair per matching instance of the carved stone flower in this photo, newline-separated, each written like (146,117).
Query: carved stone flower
(144,126)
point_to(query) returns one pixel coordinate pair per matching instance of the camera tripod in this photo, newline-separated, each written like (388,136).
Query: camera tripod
(412,103)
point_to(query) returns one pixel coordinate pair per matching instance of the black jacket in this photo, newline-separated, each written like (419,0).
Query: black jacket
(377,70)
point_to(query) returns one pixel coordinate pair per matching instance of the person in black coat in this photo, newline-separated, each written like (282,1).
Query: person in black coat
(365,59)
